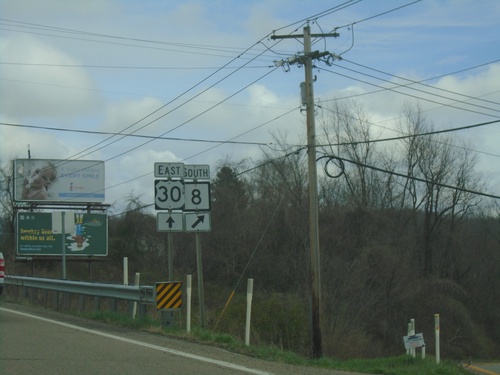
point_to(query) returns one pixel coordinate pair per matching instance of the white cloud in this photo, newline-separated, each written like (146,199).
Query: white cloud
(122,114)
(35,90)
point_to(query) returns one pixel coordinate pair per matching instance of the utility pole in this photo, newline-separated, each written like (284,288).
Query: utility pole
(306,60)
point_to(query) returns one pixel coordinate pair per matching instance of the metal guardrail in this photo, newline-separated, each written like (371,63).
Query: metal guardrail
(141,294)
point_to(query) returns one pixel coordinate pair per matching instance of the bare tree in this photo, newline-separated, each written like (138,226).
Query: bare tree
(448,172)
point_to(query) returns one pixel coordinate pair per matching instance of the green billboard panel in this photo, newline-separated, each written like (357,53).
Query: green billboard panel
(42,233)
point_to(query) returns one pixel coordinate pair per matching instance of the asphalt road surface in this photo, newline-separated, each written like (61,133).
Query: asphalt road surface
(38,341)
(485,368)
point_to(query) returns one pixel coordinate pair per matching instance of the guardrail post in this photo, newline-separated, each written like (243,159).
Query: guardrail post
(97,303)
(81,303)
(134,306)
(55,300)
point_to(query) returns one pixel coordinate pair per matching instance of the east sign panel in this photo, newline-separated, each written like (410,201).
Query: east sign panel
(67,181)
(41,233)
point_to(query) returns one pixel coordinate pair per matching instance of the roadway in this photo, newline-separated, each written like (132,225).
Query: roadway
(39,341)
(484,368)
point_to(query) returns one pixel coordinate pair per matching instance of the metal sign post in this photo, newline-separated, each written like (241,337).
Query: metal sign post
(201,296)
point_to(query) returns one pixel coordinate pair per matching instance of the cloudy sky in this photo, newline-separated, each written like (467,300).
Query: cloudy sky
(196,81)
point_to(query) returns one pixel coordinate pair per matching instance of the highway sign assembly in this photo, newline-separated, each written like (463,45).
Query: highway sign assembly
(184,196)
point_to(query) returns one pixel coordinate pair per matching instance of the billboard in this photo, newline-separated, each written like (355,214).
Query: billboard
(59,181)
(41,233)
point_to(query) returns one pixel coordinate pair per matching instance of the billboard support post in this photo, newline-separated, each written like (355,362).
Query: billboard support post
(63,232)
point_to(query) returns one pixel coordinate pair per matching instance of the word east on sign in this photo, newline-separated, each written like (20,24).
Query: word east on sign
(182,171)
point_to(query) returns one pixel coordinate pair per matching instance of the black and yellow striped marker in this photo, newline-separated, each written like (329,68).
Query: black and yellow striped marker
(169,295)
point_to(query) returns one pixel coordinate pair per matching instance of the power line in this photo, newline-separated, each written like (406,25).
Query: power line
(316,16)
(126,67)
(171,101)
(423,91)
(407,94)
(414,135)
(195,47)
(423,80)
(378,15)
(133,135)
(415,178)
(409,136)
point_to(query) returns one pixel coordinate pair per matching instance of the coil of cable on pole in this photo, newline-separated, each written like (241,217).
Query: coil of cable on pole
(336,161)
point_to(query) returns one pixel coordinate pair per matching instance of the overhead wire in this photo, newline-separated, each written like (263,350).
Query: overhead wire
(95,132)
(410,86)
(368,17)
(414,178)
(421,82)
(320,14)
(398,138)
(377,15)
(405,136)
(92,149)
(424,80)
(394,10)
(392,89)
(228,51)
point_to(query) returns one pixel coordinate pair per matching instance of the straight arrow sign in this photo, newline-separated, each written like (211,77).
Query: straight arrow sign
(169,222)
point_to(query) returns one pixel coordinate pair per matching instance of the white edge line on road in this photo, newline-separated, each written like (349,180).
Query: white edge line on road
(146,345)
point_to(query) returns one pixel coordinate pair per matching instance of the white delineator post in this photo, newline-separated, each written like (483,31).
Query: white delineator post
(412,332)
(436,331)
(249,311)
(408,332)
(189,288)
(125,270)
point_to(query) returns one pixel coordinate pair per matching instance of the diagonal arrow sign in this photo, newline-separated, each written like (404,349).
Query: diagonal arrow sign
(201,219)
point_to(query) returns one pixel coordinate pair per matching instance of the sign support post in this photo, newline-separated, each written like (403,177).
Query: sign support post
(63,232)
(170,255)
(201,296)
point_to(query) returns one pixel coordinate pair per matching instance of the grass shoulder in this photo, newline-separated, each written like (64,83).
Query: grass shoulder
(400,365)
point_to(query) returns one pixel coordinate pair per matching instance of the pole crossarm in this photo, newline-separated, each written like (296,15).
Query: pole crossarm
(334,34)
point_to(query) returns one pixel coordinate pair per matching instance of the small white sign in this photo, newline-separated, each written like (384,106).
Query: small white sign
(170,222)
(414,341)
(197,221)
